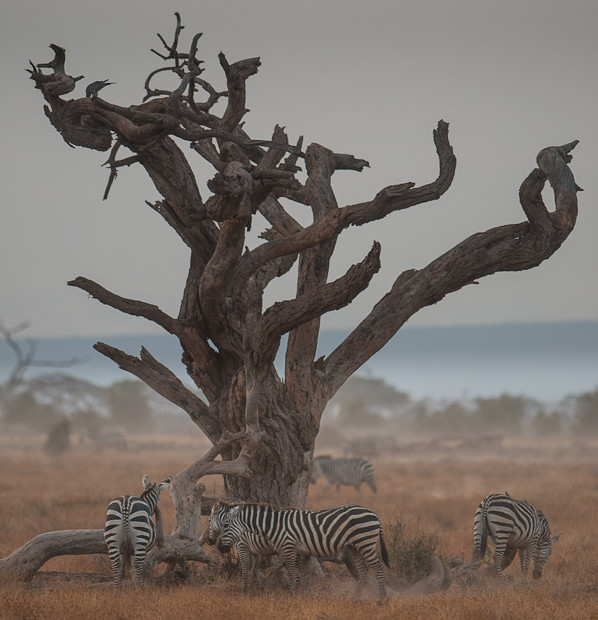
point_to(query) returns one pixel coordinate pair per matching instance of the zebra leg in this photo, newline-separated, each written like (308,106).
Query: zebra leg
(357,567)
(289,554)
(539,562)
(245,559)
(374,563)
(118,568)
(525,556)
(498,557)
(327,485)
(140,554)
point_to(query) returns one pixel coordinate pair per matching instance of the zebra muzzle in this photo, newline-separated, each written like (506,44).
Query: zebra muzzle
(223,547)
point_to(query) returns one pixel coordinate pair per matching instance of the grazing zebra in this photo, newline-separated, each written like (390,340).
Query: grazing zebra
(320,533)
(514,525)
(129,527)
(248,544)
(348,471)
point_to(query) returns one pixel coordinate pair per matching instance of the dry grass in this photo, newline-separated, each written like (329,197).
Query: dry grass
(433,488)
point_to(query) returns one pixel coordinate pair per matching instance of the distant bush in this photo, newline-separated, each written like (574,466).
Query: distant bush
(544,424)
(410,555)
(586,413)
(59,438)
(128,404)
(23,409)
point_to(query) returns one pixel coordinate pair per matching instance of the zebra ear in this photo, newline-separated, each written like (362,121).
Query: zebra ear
(146,481)
(233,512)
(555,538)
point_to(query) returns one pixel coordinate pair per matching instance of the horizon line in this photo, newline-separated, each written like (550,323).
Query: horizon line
(406,326)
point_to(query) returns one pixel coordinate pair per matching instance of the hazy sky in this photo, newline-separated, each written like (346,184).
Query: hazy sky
(368,78)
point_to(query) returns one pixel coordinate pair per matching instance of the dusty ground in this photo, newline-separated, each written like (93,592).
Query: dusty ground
(431,485)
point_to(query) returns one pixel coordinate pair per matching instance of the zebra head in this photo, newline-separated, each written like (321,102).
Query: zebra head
(545,542)
(147,485)
(231,530)
(217,516)
(151,491)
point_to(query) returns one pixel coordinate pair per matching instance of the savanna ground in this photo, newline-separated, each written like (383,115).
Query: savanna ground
(432,487)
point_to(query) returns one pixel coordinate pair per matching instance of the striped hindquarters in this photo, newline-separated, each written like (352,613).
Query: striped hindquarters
(129,527)
(514,525)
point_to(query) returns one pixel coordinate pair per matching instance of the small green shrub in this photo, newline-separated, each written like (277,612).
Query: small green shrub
(410,555)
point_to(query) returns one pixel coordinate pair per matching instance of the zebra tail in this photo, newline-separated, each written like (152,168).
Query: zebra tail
(127,552)
(481,532)
(383,549)
(483,543)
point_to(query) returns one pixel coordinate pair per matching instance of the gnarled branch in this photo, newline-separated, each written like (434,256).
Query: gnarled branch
(513,247)
(164,381)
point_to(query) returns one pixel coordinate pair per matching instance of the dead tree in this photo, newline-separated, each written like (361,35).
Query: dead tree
(25,358)
(264,426)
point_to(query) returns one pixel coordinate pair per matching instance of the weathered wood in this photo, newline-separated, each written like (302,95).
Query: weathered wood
(23,564)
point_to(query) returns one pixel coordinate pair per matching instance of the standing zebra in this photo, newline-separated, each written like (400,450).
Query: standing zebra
(129,526)
(348,471)
(294,533)
(248,544)
(514,525)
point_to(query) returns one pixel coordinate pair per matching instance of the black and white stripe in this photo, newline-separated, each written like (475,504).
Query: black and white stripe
(130,528)
(342,531)
(347,471)
(248,545)
(515,526)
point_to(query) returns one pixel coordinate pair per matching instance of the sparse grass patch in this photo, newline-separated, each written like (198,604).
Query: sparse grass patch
(410,554)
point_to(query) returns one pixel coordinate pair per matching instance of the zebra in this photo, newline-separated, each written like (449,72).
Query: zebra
(514,525)
(248,543)
(347,471)
(129,527)
(350,531)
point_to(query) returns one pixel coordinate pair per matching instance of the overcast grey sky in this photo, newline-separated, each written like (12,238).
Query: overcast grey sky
(368,78)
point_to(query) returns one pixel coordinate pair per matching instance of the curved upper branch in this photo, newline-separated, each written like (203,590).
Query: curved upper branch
(505,248)
(399,197)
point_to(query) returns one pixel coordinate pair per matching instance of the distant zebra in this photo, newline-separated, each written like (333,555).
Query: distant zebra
(105,438)
(514,525)
(130,528)
(319,533)
(347,471)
